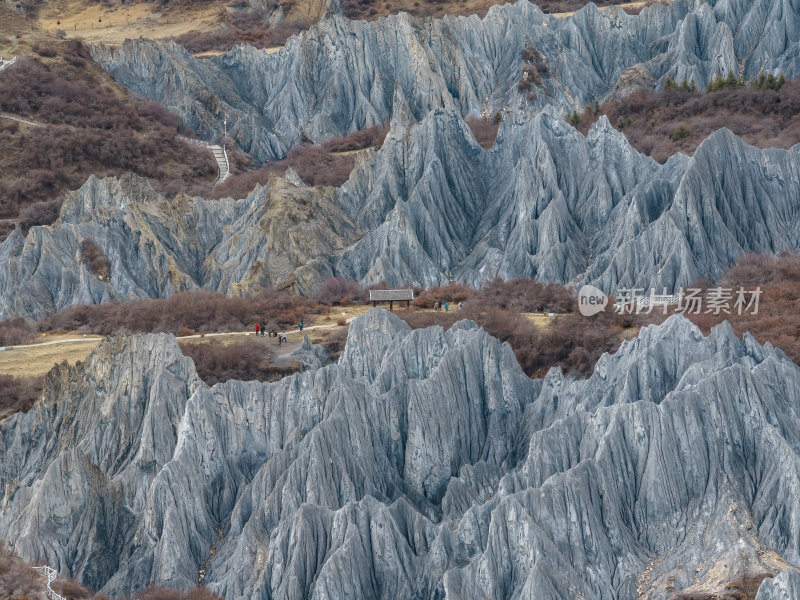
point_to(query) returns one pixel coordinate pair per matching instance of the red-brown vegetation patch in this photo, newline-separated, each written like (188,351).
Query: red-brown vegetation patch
(341,291)
(453,293)
(18,580)
(777,320)
(570,341)
(18,394)
(527,295)
(372,9)
(675,120)
(485,132)
(16,331)
(90,126)
(328,163)
(745,588)
(251,360)
(94,258)
(241,26)
(198,312)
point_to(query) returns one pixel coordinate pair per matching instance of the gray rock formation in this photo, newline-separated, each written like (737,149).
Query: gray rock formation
(277,236)
(341,75)
(545,202)
(548,203)
(424,464)
(785,586)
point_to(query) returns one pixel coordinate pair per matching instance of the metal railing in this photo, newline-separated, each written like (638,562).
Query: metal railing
(51,576)
(7,63)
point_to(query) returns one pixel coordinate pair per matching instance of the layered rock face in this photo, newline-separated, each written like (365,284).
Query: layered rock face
(277,236)
(424,464)
(342,76)
(545,202)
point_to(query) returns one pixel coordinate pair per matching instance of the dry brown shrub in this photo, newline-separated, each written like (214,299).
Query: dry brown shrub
(340,290)
(199,311)
(762,117)
(242,25)
(18,580)
(249,360)
(453,293)
(91,126)
(16,331)
(94,258)
(485,133)
(19,394)
(777,321)
(334,343)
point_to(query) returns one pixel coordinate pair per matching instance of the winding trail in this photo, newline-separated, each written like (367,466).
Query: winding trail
(19,120)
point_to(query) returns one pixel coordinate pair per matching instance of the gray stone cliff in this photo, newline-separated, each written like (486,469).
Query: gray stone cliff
(544,202)
(424,464)
(342,75)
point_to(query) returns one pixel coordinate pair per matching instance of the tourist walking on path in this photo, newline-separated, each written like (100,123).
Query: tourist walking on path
(301,326)
(257,329)
(280,340)
(440,305)
(446,306)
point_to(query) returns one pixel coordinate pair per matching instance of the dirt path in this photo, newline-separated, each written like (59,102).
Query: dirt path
(19,120)
(30,360)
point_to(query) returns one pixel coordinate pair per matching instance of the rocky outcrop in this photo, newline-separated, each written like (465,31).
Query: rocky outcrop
(280,235)
(424,464)
(341,75)
(545,202)
(783,587)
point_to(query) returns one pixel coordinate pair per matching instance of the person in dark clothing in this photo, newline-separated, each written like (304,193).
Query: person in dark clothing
(263,329)
(280,340)
(440,305)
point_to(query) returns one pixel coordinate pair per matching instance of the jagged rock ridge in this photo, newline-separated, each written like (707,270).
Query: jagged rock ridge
(545,202)
(281,234)
(342,76)
(423,464)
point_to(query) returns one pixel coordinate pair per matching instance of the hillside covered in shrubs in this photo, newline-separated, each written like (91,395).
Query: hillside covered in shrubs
(89,125)
(764,113)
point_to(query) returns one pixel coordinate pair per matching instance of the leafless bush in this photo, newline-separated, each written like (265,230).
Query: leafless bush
(18,580)
(242,25)
(15,331)
(340,290)
(453,293)
(199,311)
(155,592)
(79,105)
(334,343)
(18,394)
(485,132)
(243,361)
(94,258)
(678,120)
(371,137)
(527,295)
(40,213)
